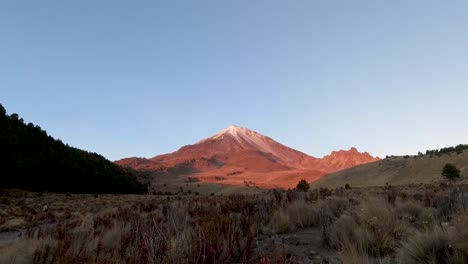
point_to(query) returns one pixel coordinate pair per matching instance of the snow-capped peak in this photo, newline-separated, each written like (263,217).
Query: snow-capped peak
(234,131)
(243,136)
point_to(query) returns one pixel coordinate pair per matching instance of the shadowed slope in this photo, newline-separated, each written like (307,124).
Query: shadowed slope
(31,159)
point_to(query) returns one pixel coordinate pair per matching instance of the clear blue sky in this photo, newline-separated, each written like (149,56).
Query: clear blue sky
(140,79)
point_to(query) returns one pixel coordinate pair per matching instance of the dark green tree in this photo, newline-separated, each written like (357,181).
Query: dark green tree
(303,186)
(31,159)
(450,172)
(2,111)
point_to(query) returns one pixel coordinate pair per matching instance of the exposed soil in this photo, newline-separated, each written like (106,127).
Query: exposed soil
(300,246)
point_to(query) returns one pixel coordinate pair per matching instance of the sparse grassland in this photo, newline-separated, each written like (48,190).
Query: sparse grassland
(405,224)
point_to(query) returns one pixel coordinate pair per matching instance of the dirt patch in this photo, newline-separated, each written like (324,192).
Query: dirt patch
(300,246)
(10,236)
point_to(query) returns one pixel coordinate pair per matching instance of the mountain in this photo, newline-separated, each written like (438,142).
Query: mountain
(398,170)
(238,155)
(340,160)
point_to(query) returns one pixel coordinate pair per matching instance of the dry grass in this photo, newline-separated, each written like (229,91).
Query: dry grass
(304,212)
(374,227)
(417,215)
(298,214)
(19,252)
(350,254)
(396,171)
(358,226)
(431,246)
(419,234)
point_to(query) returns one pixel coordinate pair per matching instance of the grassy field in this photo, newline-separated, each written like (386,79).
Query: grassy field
(404,224)
(398,170)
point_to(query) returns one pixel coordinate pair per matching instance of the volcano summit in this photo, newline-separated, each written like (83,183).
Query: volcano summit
(238,155)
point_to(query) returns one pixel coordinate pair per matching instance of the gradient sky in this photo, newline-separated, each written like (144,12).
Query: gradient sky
(123,78)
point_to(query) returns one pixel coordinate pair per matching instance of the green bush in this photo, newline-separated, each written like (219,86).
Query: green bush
(450,171)
(303,185)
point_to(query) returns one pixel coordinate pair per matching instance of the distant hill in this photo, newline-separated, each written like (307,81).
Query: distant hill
(239,156)
(398,170)
(31,159)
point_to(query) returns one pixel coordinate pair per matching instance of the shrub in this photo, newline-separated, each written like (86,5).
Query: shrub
(336,205)
(430,247)
(325,192)
(347,186)
(450,171)
(303,185)
(298,214)
(459,236)
(416,214)
(376,228)
(351,254)
(344,230)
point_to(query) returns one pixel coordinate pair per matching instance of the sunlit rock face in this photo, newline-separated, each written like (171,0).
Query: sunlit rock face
(237,155)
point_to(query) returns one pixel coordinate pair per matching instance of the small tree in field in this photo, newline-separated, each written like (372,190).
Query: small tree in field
(303,185)
(450,172)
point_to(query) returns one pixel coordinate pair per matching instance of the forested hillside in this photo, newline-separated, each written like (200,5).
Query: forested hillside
(31,159)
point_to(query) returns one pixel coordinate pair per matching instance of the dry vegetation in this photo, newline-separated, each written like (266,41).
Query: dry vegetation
(408,224)
(398,170)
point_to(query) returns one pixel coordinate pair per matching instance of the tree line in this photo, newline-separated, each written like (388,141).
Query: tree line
(438,152)
(33,160)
